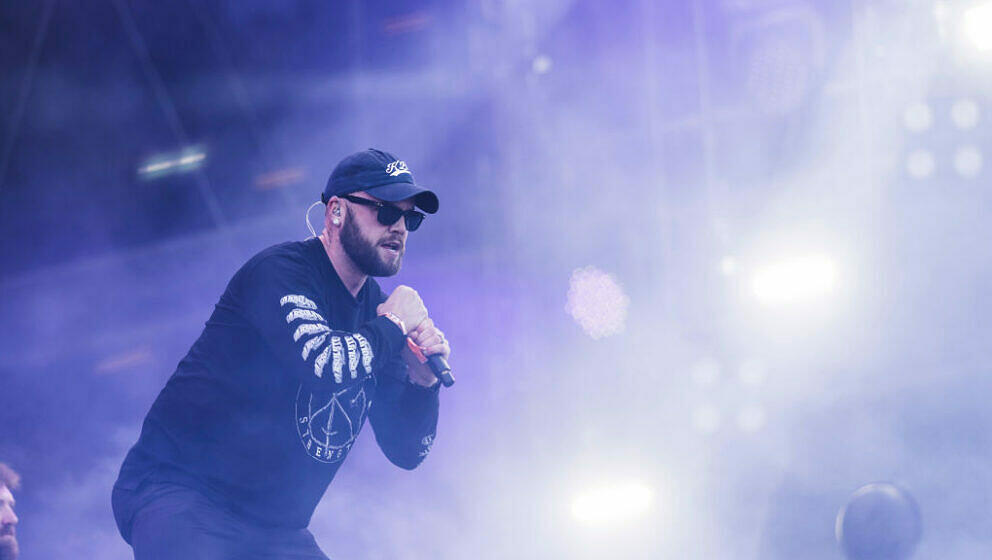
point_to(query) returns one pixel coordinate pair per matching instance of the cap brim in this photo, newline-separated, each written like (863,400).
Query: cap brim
(394,192)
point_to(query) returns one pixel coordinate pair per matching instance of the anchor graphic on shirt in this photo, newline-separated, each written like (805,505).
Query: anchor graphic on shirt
(329,421)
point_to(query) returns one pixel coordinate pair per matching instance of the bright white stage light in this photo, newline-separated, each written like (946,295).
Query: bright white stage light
(977,26)
(964,113)
(794,280)
(596,302)
(612,502)
(968,161)
(751,418)
(541,64)
(920,164)
(166,164)
(917,117)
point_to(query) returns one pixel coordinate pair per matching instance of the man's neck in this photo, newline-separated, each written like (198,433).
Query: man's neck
(352,278)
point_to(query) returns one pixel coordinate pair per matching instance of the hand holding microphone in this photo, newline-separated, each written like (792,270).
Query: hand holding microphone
(425,341)
(429,345)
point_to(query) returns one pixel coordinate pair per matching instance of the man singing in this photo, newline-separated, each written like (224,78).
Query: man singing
(302,347)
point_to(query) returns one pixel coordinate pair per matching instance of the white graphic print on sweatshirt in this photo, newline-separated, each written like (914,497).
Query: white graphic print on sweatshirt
(313,332)
(328,420)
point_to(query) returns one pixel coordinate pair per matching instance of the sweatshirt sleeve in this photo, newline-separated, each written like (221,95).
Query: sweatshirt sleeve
(403,415)
(282,301)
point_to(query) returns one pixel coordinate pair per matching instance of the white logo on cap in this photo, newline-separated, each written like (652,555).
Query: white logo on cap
(397,168)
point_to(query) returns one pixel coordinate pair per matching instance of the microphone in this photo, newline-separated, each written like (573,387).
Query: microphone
(436,362)
(441,369)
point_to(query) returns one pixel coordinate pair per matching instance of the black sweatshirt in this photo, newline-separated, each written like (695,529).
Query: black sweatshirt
(264,408)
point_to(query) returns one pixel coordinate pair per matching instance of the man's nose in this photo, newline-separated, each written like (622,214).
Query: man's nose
(8,517)
(399,225)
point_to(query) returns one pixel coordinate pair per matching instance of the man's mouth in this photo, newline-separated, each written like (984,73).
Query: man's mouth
(394,246)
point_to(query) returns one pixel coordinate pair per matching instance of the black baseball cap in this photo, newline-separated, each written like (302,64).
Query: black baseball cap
(382,175)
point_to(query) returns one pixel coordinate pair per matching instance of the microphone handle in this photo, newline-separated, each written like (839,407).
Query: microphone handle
(436,362)
(441,369)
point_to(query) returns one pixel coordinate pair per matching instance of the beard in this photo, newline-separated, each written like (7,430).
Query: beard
(365,254)
(8,548)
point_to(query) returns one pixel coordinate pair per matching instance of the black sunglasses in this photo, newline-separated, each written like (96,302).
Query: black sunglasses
(389,214)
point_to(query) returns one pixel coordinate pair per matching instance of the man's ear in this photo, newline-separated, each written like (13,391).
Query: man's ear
(334,210)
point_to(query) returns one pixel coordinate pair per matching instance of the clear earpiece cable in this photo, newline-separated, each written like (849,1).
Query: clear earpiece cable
(306,217)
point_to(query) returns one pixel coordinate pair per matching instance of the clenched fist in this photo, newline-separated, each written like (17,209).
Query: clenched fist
(406,304)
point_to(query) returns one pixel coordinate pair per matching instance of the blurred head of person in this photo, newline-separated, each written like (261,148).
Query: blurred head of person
(9,481)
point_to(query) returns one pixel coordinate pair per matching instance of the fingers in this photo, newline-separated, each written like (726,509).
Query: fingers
(436,338)
(421,330)
(430,339)
(435,343)
(427,337)
(424,325)
(442,349)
